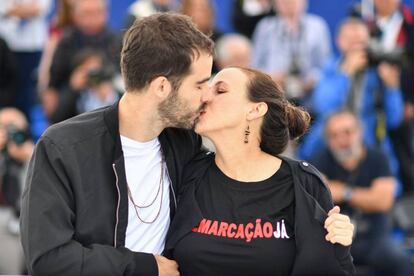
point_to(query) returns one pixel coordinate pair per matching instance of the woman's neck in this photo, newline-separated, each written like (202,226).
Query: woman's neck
(244,162)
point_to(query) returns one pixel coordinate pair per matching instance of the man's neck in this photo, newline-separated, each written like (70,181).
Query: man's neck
(292,24)
(138,117)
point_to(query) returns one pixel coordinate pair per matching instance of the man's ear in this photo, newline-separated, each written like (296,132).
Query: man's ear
(161,87)
(256,110)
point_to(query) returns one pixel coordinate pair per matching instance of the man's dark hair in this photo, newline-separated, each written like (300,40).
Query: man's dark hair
(163,44)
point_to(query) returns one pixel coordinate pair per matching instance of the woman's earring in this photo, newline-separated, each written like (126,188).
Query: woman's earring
(246,135)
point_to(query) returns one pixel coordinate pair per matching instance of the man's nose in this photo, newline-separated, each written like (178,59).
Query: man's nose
(206,95)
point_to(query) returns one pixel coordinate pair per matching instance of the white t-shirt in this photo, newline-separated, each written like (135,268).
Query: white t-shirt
(143,173)
(390,28)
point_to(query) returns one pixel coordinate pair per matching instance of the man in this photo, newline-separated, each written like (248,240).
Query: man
(233,50)
(8,77)
(370,92)
(393,29)
(292,47)
(143,8)
(23,25)
(362,184)
(101,187)
(16,148)
(90,31)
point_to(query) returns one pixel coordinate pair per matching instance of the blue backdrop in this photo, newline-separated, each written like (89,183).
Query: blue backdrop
(332,10)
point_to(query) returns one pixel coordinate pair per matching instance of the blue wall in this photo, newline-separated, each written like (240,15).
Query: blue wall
(332,10)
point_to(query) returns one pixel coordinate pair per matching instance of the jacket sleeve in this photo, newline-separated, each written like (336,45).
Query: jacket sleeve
(331,91)
(323,196)
(48,226)
(393,107)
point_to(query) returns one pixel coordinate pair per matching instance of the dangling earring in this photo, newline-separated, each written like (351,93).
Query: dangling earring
(246,135)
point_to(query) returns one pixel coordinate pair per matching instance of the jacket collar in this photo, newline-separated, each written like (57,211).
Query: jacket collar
(111,118)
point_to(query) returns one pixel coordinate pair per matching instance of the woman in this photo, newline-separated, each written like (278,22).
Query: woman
(255,212)
(62,20)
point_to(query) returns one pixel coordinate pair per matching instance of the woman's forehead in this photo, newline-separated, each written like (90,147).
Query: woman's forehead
(229,76)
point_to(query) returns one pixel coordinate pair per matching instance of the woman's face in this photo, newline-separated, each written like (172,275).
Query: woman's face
(226,104)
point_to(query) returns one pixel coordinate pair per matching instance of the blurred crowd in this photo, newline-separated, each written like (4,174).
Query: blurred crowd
(361,99)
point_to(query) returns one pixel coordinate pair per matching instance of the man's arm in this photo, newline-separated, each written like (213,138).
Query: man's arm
(29,10)
(48,226)
(379,197)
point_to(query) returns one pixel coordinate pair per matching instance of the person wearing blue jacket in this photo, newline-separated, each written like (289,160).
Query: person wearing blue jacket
(352,82)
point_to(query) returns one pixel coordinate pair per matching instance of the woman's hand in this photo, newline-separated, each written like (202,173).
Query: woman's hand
(339,227)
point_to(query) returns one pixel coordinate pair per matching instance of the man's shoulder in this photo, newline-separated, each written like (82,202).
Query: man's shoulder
(376,158)
(268,23)
(374,153)
(180,137)
(77,129)
(69,36)
(313,20)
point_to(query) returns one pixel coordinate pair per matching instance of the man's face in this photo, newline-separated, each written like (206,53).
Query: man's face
(90,16)
(386,7)
(290,8)
(343,136)
(183,106)
(353,37)
(239,54)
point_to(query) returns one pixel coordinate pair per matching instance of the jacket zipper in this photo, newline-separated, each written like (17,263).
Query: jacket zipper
(117,207)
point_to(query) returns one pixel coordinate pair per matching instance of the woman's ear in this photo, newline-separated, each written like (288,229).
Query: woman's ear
(257,110)
(161,87)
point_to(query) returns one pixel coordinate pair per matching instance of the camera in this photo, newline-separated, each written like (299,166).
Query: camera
(16,135)
(100,75)
(376,55)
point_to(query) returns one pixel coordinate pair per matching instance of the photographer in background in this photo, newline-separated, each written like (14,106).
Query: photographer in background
(391,26)
(362,184)
(370,92)
(90,86)
(16,149)
(292,47)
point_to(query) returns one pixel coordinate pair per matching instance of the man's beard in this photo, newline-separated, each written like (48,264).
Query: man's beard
(175,113)
(344,155)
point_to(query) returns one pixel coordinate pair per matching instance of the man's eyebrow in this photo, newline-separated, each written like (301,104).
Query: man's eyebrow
(203,81)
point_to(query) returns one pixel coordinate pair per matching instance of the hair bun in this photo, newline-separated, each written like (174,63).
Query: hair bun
(298,120)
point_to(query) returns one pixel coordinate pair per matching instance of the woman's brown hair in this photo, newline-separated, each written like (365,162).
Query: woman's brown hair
(283,121)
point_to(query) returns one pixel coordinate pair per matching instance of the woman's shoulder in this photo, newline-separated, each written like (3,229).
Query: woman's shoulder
(311,179)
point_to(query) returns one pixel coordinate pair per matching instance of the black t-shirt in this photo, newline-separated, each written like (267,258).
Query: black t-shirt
(373,165)
(247,228)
